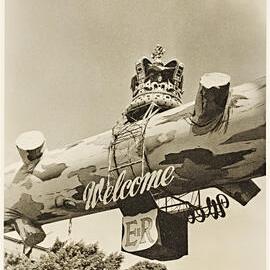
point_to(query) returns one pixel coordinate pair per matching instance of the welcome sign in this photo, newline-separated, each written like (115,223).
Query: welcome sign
(123,188)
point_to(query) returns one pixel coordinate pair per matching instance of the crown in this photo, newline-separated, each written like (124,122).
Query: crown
(156,83)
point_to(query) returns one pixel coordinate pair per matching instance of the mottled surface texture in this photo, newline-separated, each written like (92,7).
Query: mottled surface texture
(51,189)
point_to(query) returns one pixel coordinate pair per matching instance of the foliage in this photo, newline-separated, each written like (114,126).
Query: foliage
(146,265)
(67,256)
(70,256)
(16,261)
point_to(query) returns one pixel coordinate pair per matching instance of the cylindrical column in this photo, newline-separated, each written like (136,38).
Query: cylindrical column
(210,102)
(30,146)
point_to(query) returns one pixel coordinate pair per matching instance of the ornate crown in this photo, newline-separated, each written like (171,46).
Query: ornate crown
(156,82)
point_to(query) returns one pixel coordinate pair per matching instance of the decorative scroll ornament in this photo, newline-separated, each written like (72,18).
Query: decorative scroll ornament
(213,208)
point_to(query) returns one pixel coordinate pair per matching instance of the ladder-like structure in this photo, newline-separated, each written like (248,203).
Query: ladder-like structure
(127,152)
(127,148)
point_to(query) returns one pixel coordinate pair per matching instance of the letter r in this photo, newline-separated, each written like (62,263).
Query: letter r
(146,224)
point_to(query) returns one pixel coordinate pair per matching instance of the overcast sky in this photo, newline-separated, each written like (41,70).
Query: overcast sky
(68,70)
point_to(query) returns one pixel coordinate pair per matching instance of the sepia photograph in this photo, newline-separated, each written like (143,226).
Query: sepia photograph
(134,135)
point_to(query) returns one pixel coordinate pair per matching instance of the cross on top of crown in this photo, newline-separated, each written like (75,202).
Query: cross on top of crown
(157,53)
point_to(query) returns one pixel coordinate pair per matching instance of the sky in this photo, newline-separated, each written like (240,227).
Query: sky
(68,66)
